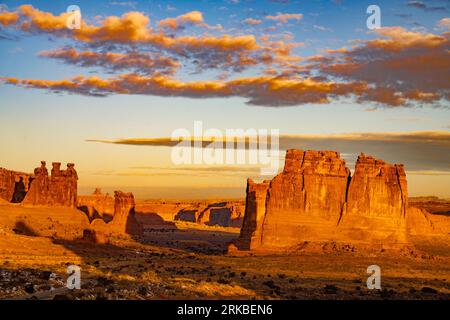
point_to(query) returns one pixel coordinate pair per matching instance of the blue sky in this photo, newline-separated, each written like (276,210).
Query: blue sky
(41,124)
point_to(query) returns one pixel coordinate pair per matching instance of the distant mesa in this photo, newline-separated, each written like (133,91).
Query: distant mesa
(316,198)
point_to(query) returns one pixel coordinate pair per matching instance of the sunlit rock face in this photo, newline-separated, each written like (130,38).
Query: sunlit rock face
(41,189)
(376,202)
(315,198)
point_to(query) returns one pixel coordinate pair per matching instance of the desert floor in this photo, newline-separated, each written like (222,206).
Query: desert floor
(189,261)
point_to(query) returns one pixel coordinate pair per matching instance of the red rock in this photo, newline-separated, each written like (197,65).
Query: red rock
(316,199)
(60,189)
(124,220)
(13,185)
(376,202)
(97,205)
(255,211)
(95,236)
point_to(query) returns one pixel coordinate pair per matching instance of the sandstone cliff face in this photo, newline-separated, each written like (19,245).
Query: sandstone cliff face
(310,195)
(255,211)
(316,199)
(376,202)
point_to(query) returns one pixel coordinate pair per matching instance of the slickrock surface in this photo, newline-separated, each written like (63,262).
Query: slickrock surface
(316,199)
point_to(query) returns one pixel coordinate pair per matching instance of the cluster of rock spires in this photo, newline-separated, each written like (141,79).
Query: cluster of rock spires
(316,198)
(58,189)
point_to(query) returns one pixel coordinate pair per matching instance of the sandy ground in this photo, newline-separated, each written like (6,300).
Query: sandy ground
(189,261)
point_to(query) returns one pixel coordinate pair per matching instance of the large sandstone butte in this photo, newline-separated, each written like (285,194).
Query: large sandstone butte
(58,189)
(315,198)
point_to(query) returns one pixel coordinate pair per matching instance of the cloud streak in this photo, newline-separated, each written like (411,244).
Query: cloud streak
(142,63)
(421,152)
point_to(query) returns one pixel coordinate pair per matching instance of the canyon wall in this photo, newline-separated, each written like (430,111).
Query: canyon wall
(315,198)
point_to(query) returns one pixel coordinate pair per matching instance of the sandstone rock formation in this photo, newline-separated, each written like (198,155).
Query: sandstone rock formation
(315,198)
(377,201)
(224,214)
(13,185)
(59,189)
(97,205)
(123,222)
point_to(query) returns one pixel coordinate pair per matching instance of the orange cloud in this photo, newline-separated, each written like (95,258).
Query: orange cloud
(264,91)
(135,61)
(395,69)
(402,66)
(193,17)
(9,18)
(131,27)
(228,52)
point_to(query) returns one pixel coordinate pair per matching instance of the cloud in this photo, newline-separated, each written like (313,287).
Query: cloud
(143,63)
(189,18)
(423,6)
(9,18)
(131,4)
(422,152)
(263,91)
(132,29)
(401,66)
(398,68)
(251,21)
(285,17)
(444,23)
(321,28)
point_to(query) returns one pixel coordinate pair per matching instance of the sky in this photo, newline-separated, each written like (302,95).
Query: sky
(136,71)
